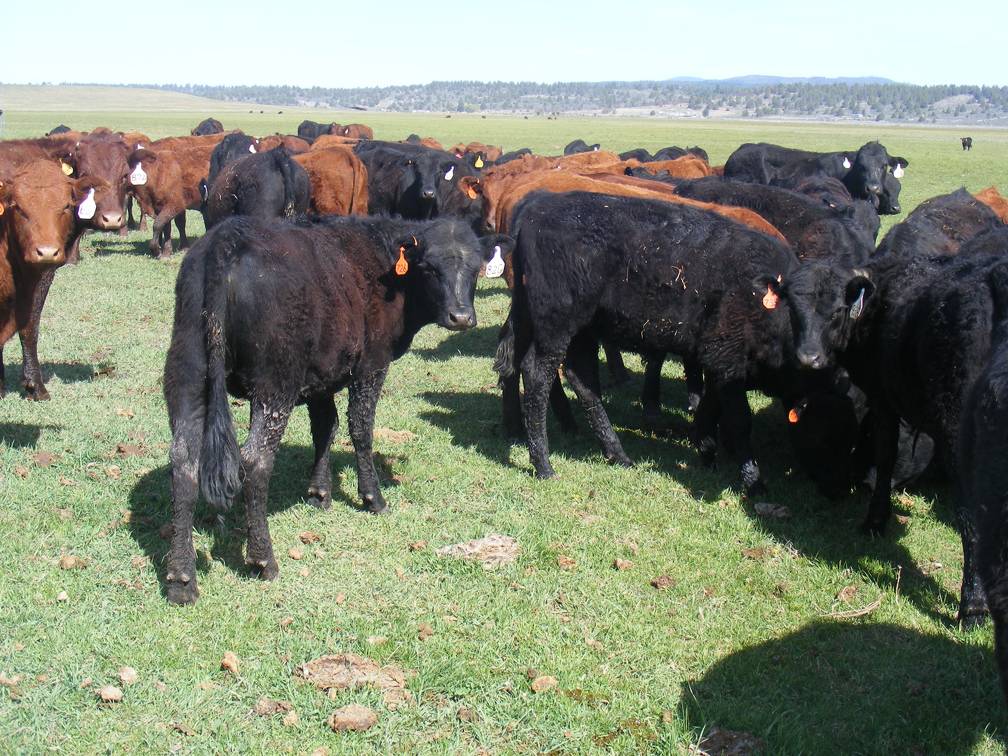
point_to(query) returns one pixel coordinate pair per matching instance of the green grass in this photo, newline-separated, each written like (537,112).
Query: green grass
(737,642)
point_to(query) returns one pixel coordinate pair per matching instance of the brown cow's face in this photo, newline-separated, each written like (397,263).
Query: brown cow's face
(105,159)
(41,205)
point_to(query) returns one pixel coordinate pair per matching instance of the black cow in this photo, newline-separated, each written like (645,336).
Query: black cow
(207,127)
(579,145)
(312,130)
(284,314)
(939,226)
(922,342)
(507,157)
(638,153)
(967,143)
(230,148)
(415,181)
(265,185)
(814,230)
(863,172)
(61,129)
(592,267)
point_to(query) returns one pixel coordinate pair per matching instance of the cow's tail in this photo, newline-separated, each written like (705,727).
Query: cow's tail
(284,164)
(219,457)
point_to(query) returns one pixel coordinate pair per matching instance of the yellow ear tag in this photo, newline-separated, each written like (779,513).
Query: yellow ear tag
(479,161)
(401,265)
(66,168)
(770,299)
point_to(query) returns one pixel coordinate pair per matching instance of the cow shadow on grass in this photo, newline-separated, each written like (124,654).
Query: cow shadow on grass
(109,245)
(476,342)
(64,372)
(854,687)
(150,508)
(22,435)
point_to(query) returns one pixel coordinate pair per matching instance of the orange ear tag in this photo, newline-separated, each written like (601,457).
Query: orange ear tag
(792,416)
(770,299)
(1,208)
(401,265)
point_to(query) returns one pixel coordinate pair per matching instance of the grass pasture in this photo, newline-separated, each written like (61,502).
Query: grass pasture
(741,638)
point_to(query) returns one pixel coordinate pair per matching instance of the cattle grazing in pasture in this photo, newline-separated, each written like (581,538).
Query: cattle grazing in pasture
(339,181)
(288,313)
(206,127)
(967,143)
(578,146)
(167,177)
(940,226)
(263,185)
(592,267)
(41,214)
(862,172)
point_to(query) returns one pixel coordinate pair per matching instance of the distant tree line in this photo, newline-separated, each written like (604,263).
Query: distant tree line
(865,101)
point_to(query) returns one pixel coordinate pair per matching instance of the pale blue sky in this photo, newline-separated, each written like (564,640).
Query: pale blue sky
(380,43)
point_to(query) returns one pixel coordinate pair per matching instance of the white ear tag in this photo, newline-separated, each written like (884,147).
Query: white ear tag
(495,267)
(252,149)
(86,209)
(858,306)
(898,171)
(138,177)
(846,163)
(451,173)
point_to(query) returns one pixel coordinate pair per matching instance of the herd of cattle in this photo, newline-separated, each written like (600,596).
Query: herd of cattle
(326,252)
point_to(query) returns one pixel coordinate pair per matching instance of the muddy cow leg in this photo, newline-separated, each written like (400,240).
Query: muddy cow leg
(160,245)
(31,371)
(180,221)
(694,382)
(886,443)
(736,425)
(618,374)
(363,398)
(582,371)
(561,407)
(651,391)
(705,426)
(266,428)
(324,423)
(187,437)
(973,607)
(538,374)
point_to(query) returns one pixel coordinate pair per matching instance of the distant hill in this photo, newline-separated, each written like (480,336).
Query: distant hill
(70,98)
(757,80)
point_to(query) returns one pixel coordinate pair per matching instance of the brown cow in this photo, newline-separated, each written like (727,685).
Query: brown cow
(685,167)
(326,141)
(338,181)
(295,145)
(39,221)
(993,199)
(166,179)
(353,131)
(489,151)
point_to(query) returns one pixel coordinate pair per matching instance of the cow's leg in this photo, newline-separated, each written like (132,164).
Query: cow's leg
(694,382)
(161,245)
(561,407)
(538,374)
(187,437)
(705,426)
(324,422)
(736,428)
(363,398)
(582,370)
(3,382)
(972,599)
(180,221)
(651,391)
(266,428)
(73,250)
(886,443)
(618,373)
(31,371)
(511,408)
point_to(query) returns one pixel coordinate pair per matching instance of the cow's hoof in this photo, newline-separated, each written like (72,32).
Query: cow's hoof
(264,569)
(319,498)
(971,618)
(620,459)
(374,504)
(693,402)
(182,593)
(872,528)
(36,394)
(545,473)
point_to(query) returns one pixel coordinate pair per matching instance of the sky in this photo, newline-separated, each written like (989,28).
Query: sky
(364,44)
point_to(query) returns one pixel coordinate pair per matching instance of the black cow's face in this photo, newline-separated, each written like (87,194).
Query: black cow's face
(442,267)
(888,203)
(874,176)
(824,301)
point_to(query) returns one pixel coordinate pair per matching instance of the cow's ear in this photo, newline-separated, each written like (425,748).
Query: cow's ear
(496,245)
(769,289)
(471,186)
(898,166)
(857,292)
(409,251)
(141,153)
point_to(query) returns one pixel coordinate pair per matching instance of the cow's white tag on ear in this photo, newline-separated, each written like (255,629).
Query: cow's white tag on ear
(858,307)
(138,177)
(86,209)
(450,174)
(846,162)
(252,148)
(495,267)
(898,171)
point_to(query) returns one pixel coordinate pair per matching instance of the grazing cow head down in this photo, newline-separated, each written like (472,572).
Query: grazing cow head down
(823,427)
(867,177)
(440,266)
(43,207)
(824,300)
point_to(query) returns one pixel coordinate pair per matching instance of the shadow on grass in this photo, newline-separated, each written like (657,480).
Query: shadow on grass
(853,687)
(150,508)
(21,435)
(65,372)
(476,342)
